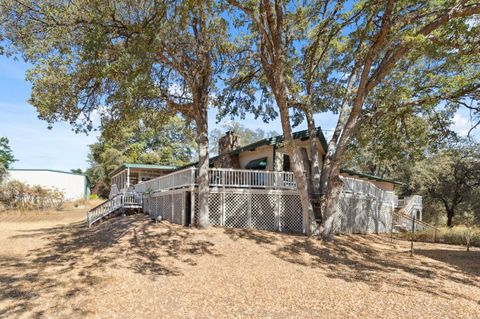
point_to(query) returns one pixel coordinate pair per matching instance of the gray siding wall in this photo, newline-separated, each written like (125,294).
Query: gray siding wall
(362,214)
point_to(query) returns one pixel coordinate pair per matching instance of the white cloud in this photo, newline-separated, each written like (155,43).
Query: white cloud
(461,124)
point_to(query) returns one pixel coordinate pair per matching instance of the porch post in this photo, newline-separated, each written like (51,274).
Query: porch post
(128,177)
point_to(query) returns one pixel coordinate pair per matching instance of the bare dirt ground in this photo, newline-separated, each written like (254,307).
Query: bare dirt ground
(52,266)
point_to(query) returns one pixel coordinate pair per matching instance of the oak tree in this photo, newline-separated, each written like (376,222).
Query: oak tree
(103,58)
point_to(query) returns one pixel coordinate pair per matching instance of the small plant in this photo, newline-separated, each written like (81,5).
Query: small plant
(93,197)
(468,234)
(469,230)
(17,195)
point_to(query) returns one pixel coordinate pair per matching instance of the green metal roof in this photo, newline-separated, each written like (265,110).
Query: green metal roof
(144,166)
(274,141)
(367,176)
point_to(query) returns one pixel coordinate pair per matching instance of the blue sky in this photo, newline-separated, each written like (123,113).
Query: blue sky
(35,146)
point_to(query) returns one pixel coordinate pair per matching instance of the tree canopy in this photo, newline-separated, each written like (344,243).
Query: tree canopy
(247,135)
(6,156)
(385,146)
(143,138)
(450,180)
(368,61)
(107,58)
(385,67)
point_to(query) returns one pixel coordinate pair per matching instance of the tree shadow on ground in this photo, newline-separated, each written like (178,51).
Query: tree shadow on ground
(466,262)
(77,259)
(369,259)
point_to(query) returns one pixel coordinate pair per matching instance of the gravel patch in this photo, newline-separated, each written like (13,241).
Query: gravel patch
(129,267)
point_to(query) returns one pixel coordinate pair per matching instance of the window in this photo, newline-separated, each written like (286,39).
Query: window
(286,163)
(257,164)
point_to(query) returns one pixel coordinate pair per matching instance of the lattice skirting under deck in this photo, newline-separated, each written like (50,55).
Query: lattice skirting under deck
(274,210)
(169,206)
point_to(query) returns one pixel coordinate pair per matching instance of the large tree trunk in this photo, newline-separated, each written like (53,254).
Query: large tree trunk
(272,58)
(450,214)
(332,186)
(297,168)
(330,183)
(300,178)
(203,166)
(315,166)
(331,214)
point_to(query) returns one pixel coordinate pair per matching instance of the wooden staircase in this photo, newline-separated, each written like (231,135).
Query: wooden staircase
(117,204)
(403,215)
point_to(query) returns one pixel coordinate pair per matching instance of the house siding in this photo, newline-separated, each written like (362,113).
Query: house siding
(264,151)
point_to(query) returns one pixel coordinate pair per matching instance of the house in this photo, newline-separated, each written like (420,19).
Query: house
(74,186)
(253,187)
(131,174)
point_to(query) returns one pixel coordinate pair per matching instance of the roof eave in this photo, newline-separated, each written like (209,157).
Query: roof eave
(372,177)
(130,165)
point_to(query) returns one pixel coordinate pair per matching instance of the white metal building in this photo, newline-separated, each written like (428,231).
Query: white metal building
(75,186)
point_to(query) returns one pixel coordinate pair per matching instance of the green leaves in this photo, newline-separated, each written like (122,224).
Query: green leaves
(450,178)
(6,154)
(6,157)
(144,137)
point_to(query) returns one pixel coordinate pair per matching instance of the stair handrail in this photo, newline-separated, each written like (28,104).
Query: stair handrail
(358,186)
(411,203)
(423,225)
(111,205)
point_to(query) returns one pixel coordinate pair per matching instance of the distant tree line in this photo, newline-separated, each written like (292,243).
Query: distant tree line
(142,138)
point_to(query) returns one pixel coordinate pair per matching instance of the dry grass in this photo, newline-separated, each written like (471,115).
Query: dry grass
(454,236)
(131,268)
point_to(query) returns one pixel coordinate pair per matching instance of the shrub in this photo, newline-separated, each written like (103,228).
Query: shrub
(458,235)
(17,195)
(94,197)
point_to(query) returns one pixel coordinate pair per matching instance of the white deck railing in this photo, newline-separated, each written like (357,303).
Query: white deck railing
(221,177)
(242,178)
(353,185)
(114,203)
(174,180)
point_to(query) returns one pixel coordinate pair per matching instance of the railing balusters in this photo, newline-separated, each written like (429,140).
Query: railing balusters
(225,177)
(219,177)
(367,188)
(111,205)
